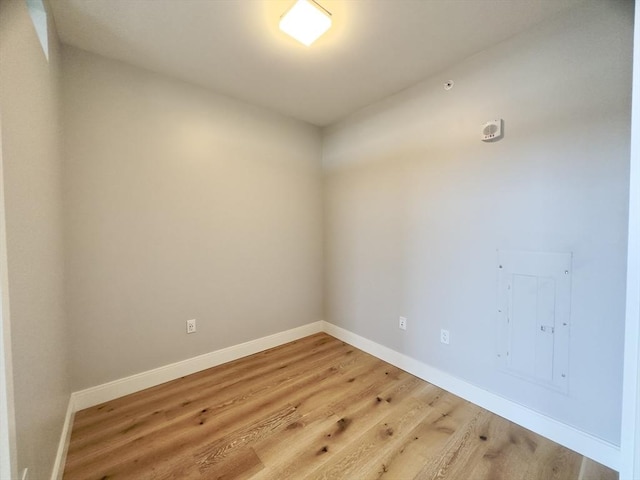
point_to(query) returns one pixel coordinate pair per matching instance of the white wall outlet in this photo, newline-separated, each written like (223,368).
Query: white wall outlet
(444,336)
(191,326)
(402,323)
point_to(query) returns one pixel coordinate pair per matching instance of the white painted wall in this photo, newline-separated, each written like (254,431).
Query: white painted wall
(416,206)
(32,270)
(181,203)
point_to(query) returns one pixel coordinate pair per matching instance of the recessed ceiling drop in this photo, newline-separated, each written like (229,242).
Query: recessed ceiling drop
(305,21)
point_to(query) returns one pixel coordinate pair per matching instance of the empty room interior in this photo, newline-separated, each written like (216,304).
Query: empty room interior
(404,249)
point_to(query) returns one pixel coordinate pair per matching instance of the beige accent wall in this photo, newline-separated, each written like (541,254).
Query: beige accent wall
(31,172)
(180,204)
(417,205)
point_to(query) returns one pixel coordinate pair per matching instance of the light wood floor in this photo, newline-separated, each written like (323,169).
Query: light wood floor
(316,408)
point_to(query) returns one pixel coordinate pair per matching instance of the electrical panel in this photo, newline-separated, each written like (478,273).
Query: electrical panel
(534,309)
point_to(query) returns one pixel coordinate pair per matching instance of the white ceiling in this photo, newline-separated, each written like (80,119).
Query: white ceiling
(375,48)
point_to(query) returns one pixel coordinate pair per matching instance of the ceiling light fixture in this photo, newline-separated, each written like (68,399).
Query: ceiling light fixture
(305,21)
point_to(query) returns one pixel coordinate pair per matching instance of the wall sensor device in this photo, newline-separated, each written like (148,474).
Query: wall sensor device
(492,130)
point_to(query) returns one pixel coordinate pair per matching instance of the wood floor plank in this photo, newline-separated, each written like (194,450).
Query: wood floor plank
(457,451)
(428,441)
(216,452)
(316,408)
(199,426)
(223,382)
(590,470)
(206,424)
(178,413)
(317,447)
(313,399)
(247,368)
(503,451)
(364,452)
(362,458)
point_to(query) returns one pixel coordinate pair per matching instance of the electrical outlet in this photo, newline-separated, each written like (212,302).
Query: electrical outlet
(191,326)
(402,323)
(444,336)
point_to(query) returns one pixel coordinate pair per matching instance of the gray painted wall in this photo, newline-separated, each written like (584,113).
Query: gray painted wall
(416,206)
(181,203)
(32,196)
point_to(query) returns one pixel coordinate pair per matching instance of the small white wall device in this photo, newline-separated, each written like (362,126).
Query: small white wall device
(492,130)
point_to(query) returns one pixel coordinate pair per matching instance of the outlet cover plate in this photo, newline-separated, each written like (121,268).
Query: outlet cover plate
(444,336)
(402,323)
(191,326)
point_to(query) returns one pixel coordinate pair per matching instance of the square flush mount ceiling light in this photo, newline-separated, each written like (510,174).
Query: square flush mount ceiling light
(305,21)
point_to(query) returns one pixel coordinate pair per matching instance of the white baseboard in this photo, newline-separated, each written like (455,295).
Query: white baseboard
(63,445)
(588,445)
(570,437)
(118,388)
(124,386)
